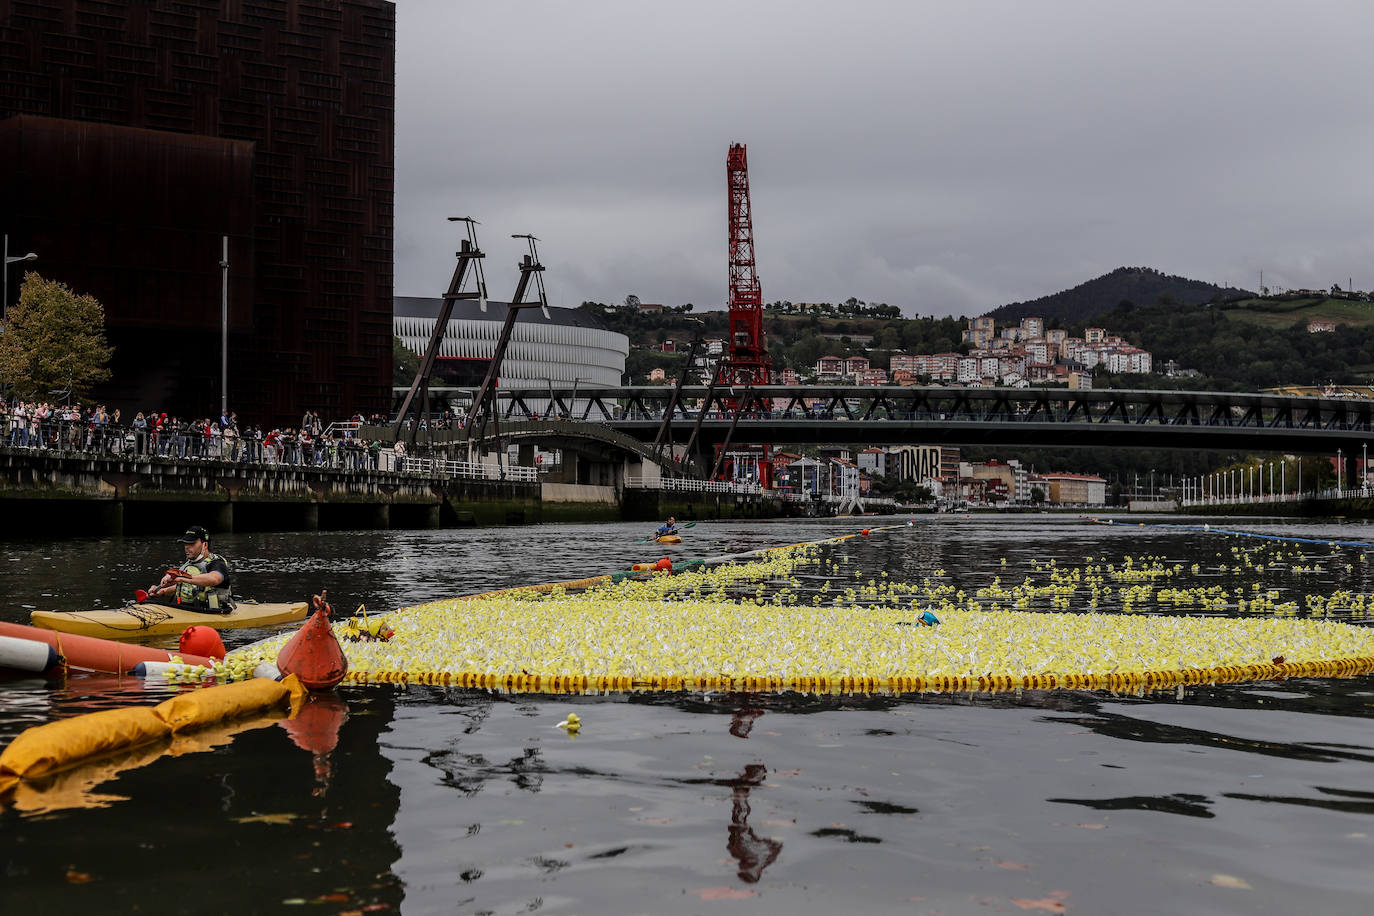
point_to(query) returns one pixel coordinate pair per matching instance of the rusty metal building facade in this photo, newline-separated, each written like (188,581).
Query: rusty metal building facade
(135,134)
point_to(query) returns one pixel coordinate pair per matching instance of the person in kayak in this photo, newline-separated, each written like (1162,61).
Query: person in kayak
(199,584)
(669,527)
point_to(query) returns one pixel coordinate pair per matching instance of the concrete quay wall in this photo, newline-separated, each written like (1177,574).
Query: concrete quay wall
(84,494)
(52,491)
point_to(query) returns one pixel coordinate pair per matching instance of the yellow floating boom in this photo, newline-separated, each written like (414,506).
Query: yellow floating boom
(704,631)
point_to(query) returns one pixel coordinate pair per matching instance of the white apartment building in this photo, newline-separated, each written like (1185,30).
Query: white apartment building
(938,365)
(873,460)
(1039,351)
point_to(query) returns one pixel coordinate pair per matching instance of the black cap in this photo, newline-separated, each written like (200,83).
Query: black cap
(195,533)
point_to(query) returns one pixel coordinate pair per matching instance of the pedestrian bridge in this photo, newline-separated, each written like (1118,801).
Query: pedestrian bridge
(867,416)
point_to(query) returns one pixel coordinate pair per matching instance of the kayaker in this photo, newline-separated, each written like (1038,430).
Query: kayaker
(199,584)
(669,527)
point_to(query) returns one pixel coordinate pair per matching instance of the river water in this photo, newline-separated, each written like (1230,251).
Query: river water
(1249,798)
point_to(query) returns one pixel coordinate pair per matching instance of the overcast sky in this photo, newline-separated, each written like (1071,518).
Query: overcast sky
(946,158)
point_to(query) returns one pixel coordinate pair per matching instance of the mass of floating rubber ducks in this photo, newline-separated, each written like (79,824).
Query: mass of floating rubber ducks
(770,623)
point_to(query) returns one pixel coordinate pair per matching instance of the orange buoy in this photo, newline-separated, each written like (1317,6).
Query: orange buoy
(200,640)
(664,563)
(91,653)
(864,532)
(313,655)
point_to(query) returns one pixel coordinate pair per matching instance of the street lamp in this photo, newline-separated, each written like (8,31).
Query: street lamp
(5,302)
(224,333)
(1339,482)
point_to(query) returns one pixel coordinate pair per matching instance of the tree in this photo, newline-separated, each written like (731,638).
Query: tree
(54,342)
(405,362)
(808,349)
(889,338)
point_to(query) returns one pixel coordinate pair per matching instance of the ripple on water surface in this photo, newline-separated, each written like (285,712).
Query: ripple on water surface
(1252,798)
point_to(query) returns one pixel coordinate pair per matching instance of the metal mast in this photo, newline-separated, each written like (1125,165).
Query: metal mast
(747,362)
(484,409)
(468,255)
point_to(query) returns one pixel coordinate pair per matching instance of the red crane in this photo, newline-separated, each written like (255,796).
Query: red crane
(747,362)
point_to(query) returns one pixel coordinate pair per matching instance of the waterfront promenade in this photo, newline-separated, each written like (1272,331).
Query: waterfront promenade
(124,482)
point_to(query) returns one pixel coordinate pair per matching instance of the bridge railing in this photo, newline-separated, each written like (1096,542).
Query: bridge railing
(690,485)
(1240,499)
(438,467)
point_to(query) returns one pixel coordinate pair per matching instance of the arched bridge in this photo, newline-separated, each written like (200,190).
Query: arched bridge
(519,428)
(862,415)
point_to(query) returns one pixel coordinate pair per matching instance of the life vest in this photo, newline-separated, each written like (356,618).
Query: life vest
(216,598)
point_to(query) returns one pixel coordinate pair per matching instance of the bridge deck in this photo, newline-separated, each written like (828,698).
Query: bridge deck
(972,416)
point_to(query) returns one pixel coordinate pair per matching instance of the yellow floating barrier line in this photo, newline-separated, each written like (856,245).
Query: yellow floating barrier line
(560,656)
(524,682)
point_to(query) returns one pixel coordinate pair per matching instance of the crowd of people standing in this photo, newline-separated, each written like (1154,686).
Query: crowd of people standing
(71,427)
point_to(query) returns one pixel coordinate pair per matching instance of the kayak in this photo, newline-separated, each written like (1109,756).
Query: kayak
(668,539)
(135,621)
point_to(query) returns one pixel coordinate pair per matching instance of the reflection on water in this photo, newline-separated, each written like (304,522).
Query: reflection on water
(315,729)
(753,852)
(1187,805)
(443,800)
(1348,800)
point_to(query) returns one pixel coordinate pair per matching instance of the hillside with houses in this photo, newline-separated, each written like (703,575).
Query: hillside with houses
(1015,356)
(1158,339)
(1148,336)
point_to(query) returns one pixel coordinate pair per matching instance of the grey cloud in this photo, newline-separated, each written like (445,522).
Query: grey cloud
(945,158)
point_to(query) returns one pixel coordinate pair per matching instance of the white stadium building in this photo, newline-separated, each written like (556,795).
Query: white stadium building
(570,348)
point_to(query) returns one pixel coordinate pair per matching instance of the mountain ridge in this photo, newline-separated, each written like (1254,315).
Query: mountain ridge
(1141,286)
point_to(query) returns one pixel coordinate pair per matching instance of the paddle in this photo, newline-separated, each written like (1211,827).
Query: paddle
(141,595)
(654,537)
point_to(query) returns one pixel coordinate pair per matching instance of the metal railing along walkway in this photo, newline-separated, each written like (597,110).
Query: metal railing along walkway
(472,470)
(689,485)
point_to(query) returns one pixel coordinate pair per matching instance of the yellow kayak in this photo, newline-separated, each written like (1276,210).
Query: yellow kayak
(668,539)
(135,621)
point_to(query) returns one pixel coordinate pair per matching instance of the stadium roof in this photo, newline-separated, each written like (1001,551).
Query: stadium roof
(423,307)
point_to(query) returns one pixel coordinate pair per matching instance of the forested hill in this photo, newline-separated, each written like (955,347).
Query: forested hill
(1141,286)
